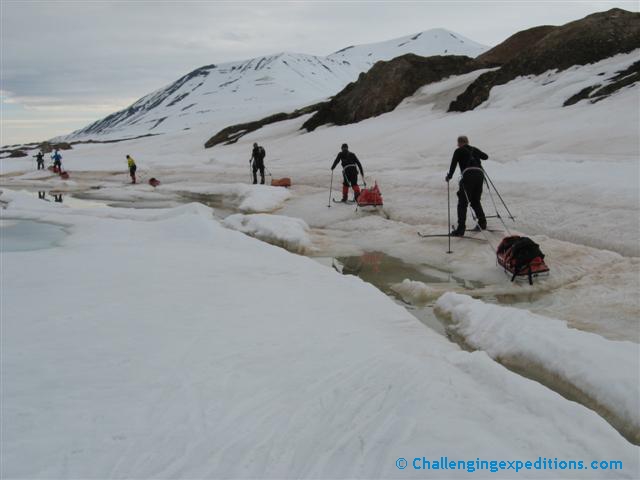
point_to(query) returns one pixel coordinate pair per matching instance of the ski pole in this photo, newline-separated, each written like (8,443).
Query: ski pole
(330,190)
(495,207)
(449,217)
(498,193)
(250,172)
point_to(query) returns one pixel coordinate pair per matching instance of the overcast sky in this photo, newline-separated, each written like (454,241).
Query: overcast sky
(65,64)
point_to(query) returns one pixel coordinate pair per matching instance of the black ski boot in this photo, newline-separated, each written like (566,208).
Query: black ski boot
(457,232)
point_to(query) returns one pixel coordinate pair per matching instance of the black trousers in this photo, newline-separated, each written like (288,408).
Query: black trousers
(350,176)
(258,166)
(470,192)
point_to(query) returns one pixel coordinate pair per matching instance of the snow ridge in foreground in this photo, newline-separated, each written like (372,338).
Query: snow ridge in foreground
(545,348)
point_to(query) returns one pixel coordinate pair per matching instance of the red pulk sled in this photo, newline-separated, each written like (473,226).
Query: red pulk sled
(154,182)
(64,175)
(281,182)
(521,257)
(370,197)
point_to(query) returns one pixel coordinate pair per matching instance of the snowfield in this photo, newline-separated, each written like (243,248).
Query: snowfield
(172,347)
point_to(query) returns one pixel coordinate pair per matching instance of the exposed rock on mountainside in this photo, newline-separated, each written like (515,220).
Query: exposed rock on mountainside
(47,147)
(593,38)
(234,133)
(382,88)
(597,92)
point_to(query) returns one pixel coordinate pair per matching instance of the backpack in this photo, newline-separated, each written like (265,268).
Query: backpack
(261,153)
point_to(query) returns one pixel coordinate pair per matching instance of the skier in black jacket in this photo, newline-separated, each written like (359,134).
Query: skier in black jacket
(257,163)
(350,167)
(40,160)
(470,190)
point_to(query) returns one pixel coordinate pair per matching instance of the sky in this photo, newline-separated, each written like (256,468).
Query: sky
(65,64)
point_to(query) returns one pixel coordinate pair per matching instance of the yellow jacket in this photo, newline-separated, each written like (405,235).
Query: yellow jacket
(130,162)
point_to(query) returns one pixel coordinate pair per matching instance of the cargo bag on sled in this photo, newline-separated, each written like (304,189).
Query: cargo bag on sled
(521,257)
(370,197)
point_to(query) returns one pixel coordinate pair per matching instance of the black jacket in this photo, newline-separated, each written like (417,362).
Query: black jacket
(347,158)
(258,154)
(466,156)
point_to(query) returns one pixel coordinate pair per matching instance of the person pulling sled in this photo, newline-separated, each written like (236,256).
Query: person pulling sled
(40,160)
(350,167)
(470,191)
(57,161)
(257,163)
(132,168)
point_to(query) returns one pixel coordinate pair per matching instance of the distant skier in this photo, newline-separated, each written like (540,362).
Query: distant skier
(257,163)
(39,160)
(470,190)
(350,167)
(57,161)
(132,168)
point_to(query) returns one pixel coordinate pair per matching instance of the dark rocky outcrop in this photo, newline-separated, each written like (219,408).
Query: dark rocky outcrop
(48,147)
(385,85)
(15,154)
(232,134)
(593,38)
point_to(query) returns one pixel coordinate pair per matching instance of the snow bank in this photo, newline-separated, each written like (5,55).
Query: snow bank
(602,371)
(248,198)
(215,355)
(418,293)
(287,232)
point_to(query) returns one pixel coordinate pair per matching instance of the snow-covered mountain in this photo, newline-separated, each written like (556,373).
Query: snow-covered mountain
(228,93)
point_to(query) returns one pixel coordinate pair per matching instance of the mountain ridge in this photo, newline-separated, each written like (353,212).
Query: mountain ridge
(225,93)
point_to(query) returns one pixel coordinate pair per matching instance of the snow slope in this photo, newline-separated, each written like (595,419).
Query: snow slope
(214,355)
(229,93)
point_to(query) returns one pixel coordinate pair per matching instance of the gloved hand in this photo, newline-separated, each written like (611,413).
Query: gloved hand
(447,178)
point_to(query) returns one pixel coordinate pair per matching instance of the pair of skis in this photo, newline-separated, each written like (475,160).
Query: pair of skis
(348,202)
(445,235)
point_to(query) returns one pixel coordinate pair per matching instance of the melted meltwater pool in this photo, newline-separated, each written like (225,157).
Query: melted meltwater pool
(383,271)
(25,235)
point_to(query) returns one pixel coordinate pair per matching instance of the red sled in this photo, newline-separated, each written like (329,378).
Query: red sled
(281,182)
(64,176)
(154,182)
(370,197)
(521,258)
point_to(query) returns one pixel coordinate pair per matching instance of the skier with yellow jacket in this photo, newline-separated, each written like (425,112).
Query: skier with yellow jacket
(132,168)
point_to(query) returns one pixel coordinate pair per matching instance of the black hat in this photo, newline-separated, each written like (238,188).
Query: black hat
(344,145)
